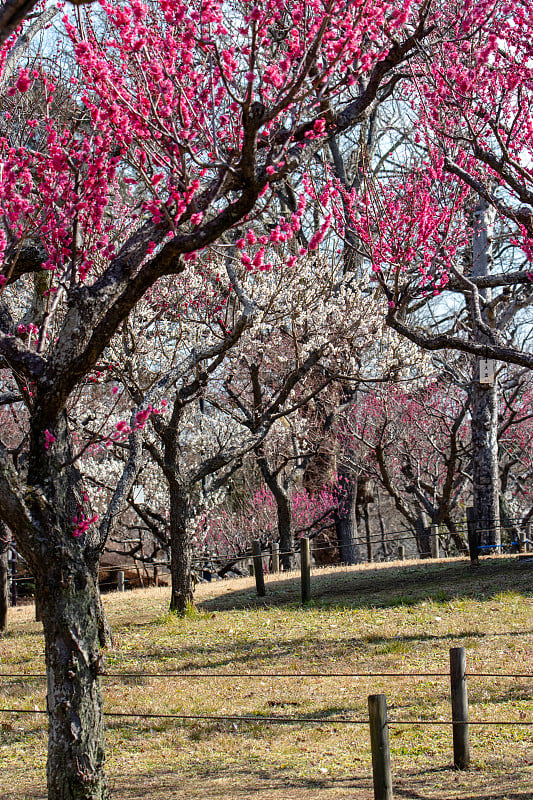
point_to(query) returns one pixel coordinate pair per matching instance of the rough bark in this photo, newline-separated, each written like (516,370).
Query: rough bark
(4,576)
(181,551)
(40,515)
(485,473)
(69,606)
(484,419)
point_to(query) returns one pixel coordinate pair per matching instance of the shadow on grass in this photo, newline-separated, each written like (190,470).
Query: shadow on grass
(255,652)
(388,587)
(235,782)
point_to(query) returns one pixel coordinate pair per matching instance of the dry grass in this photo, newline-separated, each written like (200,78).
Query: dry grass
(384,618)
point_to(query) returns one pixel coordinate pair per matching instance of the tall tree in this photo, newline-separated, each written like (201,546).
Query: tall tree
(4,576)
(212,111)
(484,420)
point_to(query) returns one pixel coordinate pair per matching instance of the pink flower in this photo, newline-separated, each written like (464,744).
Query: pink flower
(24,81)
(49,439)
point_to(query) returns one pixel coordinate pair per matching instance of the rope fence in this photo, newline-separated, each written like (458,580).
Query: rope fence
(387,539)
(277,719)
(377,719)
(200,675)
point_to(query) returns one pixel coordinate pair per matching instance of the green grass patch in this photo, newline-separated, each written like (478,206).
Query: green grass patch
(399,618)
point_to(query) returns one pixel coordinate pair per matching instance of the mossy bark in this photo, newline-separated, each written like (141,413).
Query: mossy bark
(65,566)
(70,612)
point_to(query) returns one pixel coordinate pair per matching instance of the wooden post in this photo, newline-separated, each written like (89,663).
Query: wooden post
(473,540)
(527,543)
(275,557)
(522,536)
(459,697)
(401,552)
(258,568)
(305,558)
(379,741)
(120,580)
(434,541)
(251,569)
(156,575)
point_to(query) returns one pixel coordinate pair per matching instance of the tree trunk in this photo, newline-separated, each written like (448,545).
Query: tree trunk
(346,521)
(366,517)
(457,537)
(507,524)
(484,424)
(4,576)
(70,610)
(422,534)
(181,551)
(286,544)
(485,467)
(64,561)
(283,509)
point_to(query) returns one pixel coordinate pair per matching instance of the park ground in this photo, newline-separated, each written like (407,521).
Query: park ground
(399,618)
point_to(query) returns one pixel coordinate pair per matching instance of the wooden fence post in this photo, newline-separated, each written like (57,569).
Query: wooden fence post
(305,558)
(120,580)
(401,552)
(275,557)
(473,541)
(434,541)
(459,697)
(258,568)
(379,741)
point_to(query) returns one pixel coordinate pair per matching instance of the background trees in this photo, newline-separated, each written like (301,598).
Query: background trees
(169,129)
(210,112)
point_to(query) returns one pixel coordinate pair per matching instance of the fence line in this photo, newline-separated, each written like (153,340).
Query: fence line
(377,715)
(361,541)
(200,675)
(279,719)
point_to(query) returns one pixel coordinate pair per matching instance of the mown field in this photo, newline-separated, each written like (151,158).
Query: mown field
(389,618)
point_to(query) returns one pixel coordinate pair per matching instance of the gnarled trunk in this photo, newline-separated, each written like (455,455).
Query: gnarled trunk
(4,576)
(64,561)
(181,552)
(70,611)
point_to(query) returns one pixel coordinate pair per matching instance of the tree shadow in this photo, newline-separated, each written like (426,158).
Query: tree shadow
(387,587)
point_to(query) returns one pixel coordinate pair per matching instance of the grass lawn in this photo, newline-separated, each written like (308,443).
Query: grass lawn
(381,618)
